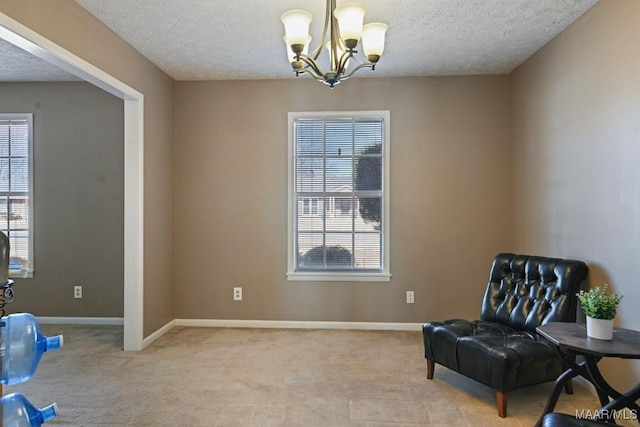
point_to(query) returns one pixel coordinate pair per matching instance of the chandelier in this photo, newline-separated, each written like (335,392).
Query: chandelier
(344,27)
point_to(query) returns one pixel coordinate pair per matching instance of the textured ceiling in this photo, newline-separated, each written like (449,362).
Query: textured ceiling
(17,65)
(242,39)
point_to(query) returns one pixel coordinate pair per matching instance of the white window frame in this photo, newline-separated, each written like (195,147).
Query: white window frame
(347,276)
(28,272)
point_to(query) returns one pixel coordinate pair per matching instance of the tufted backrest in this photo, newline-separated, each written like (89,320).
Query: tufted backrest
(528,291)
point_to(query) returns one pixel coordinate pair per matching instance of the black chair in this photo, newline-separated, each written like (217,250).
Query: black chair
(502,349)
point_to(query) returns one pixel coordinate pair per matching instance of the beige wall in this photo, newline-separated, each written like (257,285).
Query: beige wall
(549,150)
(78,198)
(575,149)
(449,148)
(67,24)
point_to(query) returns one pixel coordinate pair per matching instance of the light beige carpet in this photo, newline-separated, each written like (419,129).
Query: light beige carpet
(267,377)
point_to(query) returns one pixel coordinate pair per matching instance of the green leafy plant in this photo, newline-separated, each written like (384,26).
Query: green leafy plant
(598,304)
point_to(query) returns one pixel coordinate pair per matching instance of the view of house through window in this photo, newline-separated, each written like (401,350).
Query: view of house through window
(16,132)
(338,192)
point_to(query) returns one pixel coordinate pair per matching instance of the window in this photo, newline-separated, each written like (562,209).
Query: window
(339,196)
(16,204)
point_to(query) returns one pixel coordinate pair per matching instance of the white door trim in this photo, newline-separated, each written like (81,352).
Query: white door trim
(27,39)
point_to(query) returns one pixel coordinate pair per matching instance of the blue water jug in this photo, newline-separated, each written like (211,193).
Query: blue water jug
(21,347)
(17,411)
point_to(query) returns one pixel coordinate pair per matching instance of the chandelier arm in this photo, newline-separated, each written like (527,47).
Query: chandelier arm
(311,73)
(334,61)
(312,64)
(342,63)
(327,19)
(360,66)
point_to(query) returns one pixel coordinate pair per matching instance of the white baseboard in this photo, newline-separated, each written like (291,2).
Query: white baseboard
(233,323)
(298,324)
(80,320)
(157,334)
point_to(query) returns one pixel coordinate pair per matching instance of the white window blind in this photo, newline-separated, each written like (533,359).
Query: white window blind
(16,136)
(339,186)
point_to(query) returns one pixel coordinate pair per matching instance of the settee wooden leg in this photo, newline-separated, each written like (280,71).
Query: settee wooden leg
(430,366)
(568,387)
(501,400)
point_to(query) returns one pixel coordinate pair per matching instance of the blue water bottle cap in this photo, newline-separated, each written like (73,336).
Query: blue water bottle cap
(53,343)
(49,412)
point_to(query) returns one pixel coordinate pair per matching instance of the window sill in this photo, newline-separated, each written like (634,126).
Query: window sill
(20,274)
(314,276)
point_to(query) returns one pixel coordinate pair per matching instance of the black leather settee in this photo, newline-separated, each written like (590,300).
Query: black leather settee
(502,349)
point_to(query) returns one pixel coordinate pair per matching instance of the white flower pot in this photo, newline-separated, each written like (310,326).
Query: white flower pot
(601,329)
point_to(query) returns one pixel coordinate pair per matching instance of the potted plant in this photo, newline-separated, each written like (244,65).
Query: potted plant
(600,309)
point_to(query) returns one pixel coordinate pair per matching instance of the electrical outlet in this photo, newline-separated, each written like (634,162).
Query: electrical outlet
(410,297)
(77,291)
(237,294)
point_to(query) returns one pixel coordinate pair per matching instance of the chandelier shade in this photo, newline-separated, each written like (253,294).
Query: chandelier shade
(373,36)
(296,25)
(350,17)
(344,29)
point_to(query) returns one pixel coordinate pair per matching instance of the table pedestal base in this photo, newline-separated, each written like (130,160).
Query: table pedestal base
(611,400)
